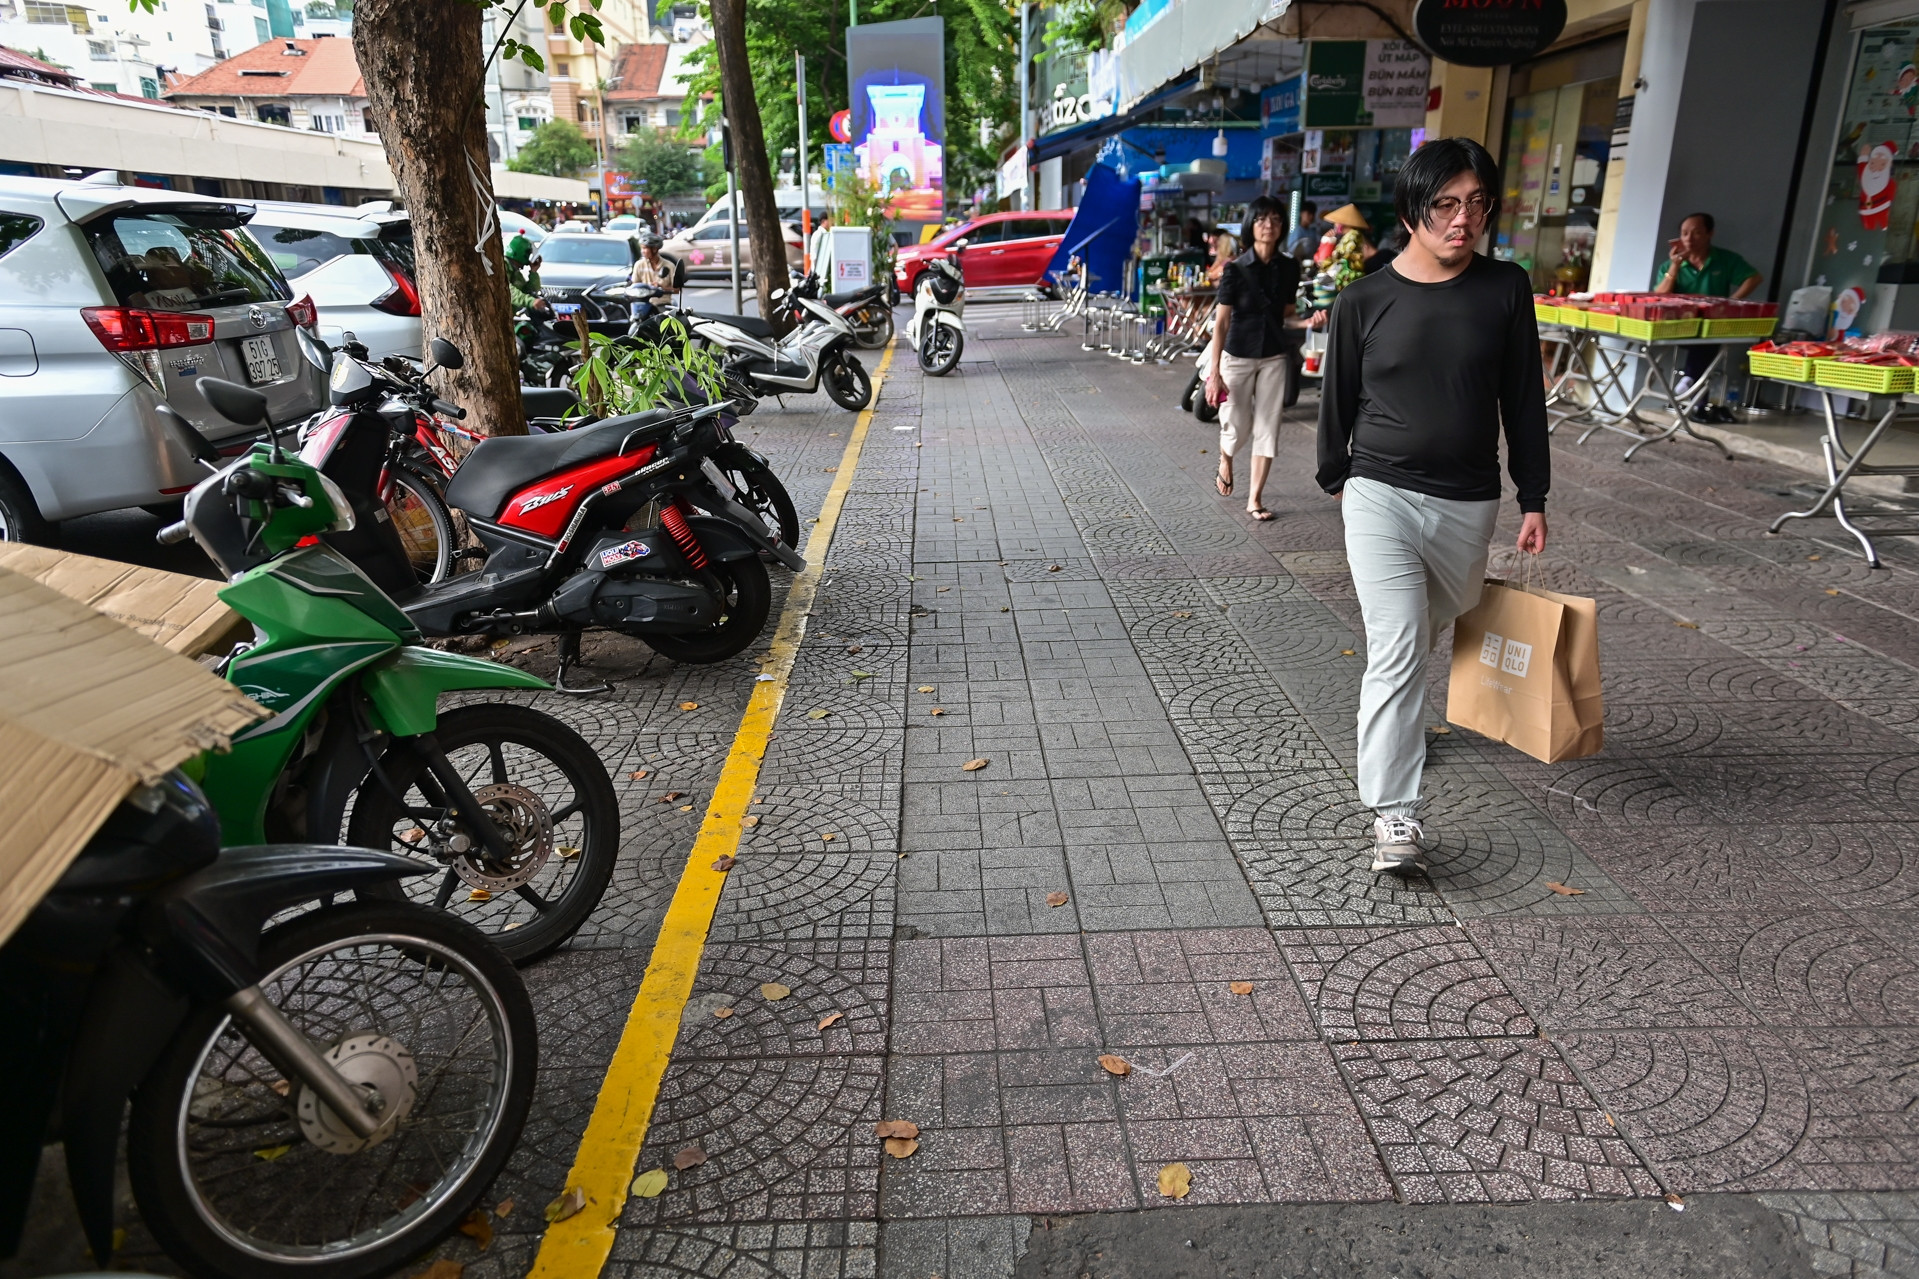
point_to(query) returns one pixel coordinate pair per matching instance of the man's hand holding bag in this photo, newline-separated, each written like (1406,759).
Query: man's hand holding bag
(1526,672)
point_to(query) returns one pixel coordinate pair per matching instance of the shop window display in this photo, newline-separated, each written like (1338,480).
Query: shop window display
(1558,136)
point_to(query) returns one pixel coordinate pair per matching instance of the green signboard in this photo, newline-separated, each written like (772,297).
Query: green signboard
(1335,96)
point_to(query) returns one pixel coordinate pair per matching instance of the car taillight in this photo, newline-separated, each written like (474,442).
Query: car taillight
(405,299)
(123,328)
(303,313)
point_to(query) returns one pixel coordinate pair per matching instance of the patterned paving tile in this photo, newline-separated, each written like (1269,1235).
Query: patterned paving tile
(1806,968)
(1487,1121)
(1401,983)
(1605,973)
(1859,1236)
(955,994)
(1170,988)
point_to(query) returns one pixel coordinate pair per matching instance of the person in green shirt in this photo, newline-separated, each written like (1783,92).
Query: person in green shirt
(523,276)
(1694,267)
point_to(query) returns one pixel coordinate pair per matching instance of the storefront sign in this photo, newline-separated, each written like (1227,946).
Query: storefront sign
(1328,184)
(1365,84)
(1488,33)
(1069,108)
(1309,154)
(1279,108)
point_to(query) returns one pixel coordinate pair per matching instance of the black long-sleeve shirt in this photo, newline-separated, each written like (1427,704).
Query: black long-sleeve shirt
(1419,377)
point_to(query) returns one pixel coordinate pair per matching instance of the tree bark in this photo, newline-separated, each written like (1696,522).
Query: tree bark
(742,108)
(422,64)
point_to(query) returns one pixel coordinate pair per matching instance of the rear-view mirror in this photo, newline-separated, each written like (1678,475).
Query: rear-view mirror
(234,402)
(445,354)
(198,447)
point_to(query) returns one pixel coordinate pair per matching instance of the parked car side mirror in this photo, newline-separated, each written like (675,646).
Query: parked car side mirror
(445,354)
(198,447)
(234,402)
(960,243)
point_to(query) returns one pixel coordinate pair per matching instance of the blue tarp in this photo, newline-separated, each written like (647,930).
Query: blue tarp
(1142,147)
(1102,230)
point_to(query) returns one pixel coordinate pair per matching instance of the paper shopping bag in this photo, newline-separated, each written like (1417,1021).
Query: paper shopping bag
(1526,672)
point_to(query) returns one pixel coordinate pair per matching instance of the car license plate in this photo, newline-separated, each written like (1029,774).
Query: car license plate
(566,308)
(263,362)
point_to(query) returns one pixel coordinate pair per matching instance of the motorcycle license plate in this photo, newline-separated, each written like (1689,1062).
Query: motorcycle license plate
(263,362)
(566,308)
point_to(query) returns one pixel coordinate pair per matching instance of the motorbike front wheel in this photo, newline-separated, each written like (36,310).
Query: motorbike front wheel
(846,382)
(241,1173)
(548,794)
(749,598)
(940,349)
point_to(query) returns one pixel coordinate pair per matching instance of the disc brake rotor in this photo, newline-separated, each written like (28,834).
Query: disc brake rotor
(527,827)
(376,1065)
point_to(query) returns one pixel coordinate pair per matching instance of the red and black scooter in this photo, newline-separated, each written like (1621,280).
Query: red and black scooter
(616,524)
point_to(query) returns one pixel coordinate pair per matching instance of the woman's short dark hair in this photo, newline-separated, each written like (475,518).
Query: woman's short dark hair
(1703,217)
(1430,168)
(1260,207)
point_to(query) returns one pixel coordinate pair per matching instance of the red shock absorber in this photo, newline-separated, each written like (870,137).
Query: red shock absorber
(673,520)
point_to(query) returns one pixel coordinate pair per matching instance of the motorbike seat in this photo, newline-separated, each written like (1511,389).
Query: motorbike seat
(871,291)
(752,324)
(548,401)
(499,467)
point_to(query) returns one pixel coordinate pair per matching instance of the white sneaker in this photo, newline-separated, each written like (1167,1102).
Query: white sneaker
(1396,845)
(1683,385)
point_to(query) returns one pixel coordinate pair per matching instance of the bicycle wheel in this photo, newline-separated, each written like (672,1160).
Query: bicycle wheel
(549,795)
(425,525)
(242,1174)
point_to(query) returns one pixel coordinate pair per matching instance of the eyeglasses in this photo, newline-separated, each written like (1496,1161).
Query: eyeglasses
(1447,207)
(1270,217)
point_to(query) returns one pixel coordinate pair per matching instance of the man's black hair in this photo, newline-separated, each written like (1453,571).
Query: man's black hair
(1308,206)
(1430,168)
(1261,205)
(1703,217)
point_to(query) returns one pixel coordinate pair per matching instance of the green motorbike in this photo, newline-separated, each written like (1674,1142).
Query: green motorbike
(512,808)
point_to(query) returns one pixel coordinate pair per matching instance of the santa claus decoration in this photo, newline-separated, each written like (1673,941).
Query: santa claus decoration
(1876,186)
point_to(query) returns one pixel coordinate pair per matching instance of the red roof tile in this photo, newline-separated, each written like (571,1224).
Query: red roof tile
(638,70)
(12,61)
(327,70)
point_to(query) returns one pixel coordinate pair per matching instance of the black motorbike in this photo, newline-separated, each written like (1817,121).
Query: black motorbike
(328,1096)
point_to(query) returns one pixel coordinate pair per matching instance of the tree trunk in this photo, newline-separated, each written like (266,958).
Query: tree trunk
(421,61)
(767,244)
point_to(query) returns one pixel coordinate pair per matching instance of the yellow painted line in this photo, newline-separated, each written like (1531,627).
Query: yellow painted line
(577,1248)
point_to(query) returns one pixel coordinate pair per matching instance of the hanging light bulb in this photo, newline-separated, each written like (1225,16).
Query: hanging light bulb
(1219,145)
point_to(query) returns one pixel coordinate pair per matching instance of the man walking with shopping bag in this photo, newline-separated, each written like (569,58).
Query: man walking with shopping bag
(1427,359)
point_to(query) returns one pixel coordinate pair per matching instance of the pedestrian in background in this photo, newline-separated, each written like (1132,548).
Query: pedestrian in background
(1225,249)
(1305,236)
(1249,351)
(1426,360)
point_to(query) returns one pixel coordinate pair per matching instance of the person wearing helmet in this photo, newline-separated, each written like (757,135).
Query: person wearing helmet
(651,268)
(523,276)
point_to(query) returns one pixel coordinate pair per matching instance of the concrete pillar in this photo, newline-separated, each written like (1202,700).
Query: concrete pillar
(1465,102)
(1616,159)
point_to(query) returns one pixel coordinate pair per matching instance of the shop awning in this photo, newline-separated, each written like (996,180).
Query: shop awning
(1184,34)
(1067,141)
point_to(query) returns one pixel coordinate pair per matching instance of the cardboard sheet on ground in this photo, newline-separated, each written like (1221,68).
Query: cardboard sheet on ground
(1526,672)
(88,711)
(173,610)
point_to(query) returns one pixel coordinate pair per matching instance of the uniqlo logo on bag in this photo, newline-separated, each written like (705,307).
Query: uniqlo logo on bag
(1490,648)
(1518,658)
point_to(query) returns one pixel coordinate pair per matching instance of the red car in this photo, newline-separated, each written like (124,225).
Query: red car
(995,250)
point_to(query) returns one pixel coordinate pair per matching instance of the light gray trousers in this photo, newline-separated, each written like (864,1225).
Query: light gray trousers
(1418,562)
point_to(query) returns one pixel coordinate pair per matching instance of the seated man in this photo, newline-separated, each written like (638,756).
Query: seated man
(1693,266)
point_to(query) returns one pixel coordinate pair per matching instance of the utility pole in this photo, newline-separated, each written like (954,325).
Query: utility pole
(1025,104)
(806,198)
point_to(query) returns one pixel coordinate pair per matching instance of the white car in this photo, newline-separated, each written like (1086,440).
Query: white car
(512,224)
(576,226)
(356,264)
(625,224)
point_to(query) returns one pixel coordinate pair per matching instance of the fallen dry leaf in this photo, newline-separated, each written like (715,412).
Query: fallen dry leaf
(504,1210)
(270,1153)
(444,1268)
(901,1147)
(650,1183)
(831,1019)
(414,836)
(690,1157)
(1812,557)
(749,821)
(282,1087)
(821,713)
(1113,1065)
(862,675)
(926,688)
(828,836)
(1441,729)
(1052,568)
(959,519)
(974,765)
(1182,615)
(896,1128)
(722,1013)
(566,1205)
(567,852)
(724,862)
(1240,987)
(686,808)
(1691,626)
(1565,891)
(937,710)
(1005,608)
(478,1226)
(1346,652)
(774,991)
(1057,899)
(639,776)
(1175,1180)
(670,796)
(479,895)
(941,590)
(689,706)
(854,648)
(1832,592)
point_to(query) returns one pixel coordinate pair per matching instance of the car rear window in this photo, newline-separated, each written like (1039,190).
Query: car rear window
(182,262)
(16,229)
(593,252)
(297,250)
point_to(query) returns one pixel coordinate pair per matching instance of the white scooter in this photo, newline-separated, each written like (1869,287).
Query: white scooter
(939,301)
(817,355)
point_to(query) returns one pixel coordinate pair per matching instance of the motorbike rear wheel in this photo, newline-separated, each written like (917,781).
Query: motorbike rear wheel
(940,349)
(760,491)
(242,1174)
(872,327)
(552,800)
(749,598)
(846,382)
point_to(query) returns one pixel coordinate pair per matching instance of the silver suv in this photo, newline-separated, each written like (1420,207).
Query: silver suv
(113,301)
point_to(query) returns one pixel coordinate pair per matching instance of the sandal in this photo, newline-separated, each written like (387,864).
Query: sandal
(1223,483)
(1260,513)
